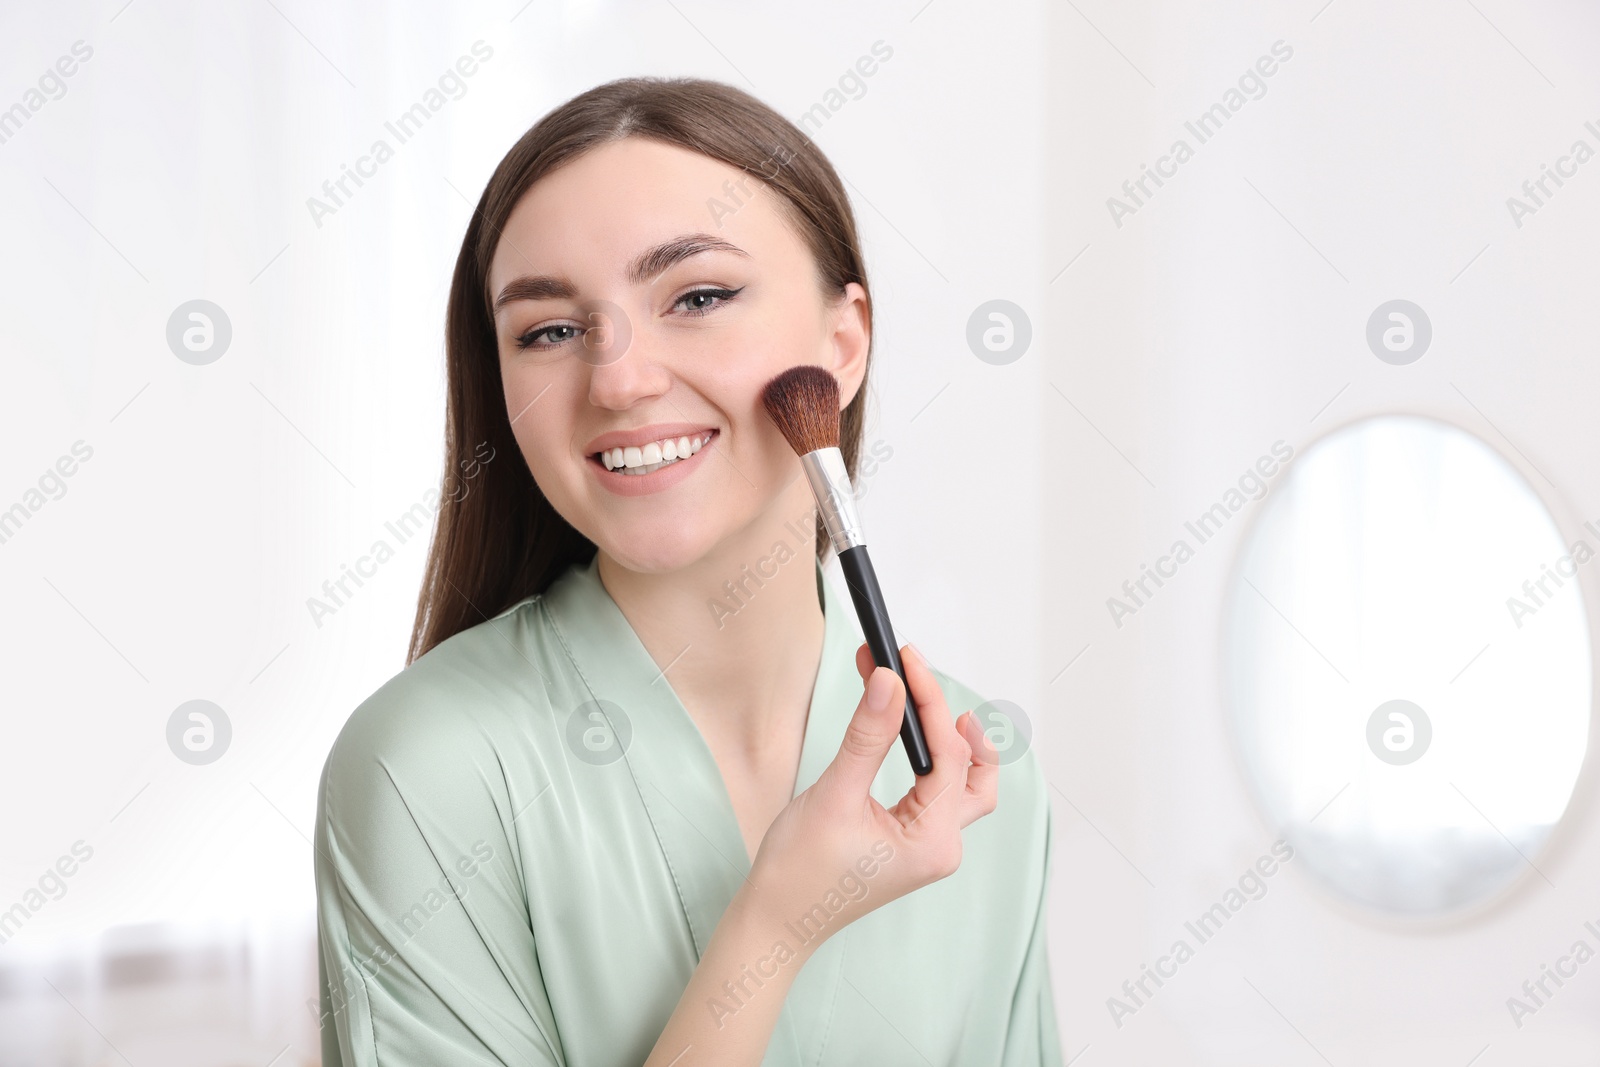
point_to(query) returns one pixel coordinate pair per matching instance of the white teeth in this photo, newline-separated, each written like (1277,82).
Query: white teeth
(653,456)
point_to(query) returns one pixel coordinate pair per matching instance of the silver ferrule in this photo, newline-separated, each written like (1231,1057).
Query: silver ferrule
(836,499)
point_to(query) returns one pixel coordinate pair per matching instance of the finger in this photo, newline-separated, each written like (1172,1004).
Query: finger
(983,775)
(938,725)
(950,751)
(873,729)
(864,662)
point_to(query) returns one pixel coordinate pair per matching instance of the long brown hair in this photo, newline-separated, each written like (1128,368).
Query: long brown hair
(496,539)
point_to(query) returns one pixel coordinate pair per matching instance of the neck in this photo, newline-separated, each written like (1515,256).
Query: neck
(739,632)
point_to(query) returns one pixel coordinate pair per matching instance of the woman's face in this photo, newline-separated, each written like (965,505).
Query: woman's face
(631,307)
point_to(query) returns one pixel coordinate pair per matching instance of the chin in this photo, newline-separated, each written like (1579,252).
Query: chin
(655,551)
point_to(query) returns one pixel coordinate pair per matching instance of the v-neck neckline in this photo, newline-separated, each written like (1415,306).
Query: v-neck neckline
(672,765)
(681,788)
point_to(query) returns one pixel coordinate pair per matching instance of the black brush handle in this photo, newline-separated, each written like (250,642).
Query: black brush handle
(863,582)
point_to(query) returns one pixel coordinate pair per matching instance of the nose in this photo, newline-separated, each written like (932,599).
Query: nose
(622,371)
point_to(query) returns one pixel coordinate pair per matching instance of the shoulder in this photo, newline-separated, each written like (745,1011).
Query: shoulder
(451,709)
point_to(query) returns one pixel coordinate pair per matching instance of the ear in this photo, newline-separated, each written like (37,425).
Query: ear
(849,341)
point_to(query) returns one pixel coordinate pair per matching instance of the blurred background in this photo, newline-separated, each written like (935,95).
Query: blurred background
(1303,288)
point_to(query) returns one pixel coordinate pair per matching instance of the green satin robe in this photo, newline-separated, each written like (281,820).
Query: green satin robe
(506,877)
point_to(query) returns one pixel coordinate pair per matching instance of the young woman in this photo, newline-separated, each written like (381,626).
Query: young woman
(637,796)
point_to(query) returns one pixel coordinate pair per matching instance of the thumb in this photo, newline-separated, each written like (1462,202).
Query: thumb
(871,732)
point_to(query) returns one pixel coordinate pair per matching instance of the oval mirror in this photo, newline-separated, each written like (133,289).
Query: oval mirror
(1408,661)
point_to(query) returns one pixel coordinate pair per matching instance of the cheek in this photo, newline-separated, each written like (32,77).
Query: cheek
(735,367)
(535,402)
(534,448)
(521,382)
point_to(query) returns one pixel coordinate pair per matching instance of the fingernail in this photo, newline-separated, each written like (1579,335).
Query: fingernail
(920,657)
(880,688)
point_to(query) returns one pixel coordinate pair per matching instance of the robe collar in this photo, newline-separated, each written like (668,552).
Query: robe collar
(668,758)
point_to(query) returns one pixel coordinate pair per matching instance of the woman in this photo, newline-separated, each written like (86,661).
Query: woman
(628,803)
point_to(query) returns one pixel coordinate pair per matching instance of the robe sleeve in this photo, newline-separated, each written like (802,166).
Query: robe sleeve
(426,954)
(1032,1039)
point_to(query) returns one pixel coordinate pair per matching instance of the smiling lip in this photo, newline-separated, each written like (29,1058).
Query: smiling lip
(656,480)
(644,435)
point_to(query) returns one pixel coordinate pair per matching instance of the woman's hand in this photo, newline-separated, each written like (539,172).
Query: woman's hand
(831,856)
(834,853)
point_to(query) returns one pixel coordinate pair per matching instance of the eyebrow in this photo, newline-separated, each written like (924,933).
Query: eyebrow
(649,264)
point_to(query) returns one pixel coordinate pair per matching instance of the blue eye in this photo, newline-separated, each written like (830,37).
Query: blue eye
(530,339)
(722,295)
(562,332)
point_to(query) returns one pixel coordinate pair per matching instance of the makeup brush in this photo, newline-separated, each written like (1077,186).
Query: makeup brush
(804,402)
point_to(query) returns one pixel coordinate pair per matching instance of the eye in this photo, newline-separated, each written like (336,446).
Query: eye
(709,295)
(531,338)
(700,302)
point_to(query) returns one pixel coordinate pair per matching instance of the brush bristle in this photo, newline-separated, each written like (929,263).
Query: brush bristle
(804,402)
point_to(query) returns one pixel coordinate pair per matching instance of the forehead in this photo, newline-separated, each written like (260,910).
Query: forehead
(595,213)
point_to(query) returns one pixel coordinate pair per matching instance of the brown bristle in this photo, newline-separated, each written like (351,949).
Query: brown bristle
(804,402)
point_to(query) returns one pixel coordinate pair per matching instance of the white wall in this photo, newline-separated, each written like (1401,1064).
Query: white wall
(1195,335)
